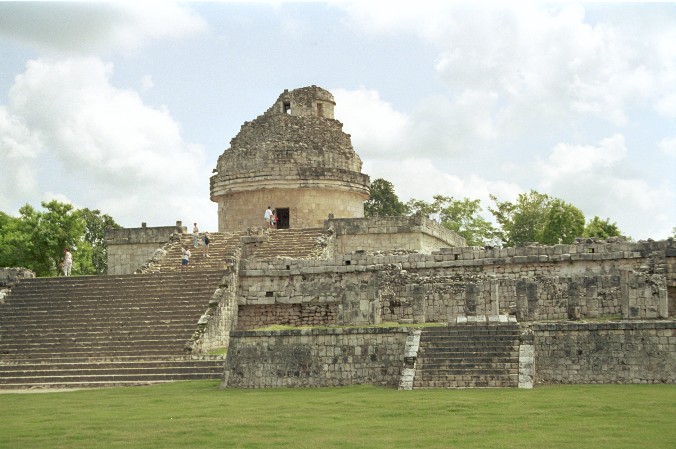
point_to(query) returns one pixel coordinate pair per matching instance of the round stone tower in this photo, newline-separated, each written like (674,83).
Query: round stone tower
(294,158)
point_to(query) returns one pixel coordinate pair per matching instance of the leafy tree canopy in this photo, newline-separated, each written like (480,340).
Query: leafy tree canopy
(601,228)
(36,239)
(537,217)
(383,202)
(462,216)
(563,223)
(533,217)
(523,220)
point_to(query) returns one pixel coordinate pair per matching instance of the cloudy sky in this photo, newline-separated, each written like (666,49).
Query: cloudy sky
(126,107)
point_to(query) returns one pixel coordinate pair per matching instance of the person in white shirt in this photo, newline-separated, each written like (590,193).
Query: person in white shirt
(67,262)
(185,259)
(267,216)
(195,236)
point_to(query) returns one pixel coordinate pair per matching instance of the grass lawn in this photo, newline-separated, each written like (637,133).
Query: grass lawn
(199,415)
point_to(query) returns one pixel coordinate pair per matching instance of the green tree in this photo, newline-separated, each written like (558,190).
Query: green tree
(45,235)
(383,202)
(522,221)
(601,228)
(36,239)
(462,216)
(14,243)
(92,253)
(563,223)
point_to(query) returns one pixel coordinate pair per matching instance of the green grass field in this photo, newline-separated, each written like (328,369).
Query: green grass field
(199,415)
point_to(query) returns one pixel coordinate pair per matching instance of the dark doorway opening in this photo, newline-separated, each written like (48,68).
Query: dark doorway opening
(283,218)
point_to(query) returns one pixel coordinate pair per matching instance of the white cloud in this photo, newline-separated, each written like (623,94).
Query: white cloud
(419,178)
(668,146)
(110,147)
(84,27)
(541,62)
(377,129)
(595,179)
(436,127)
(19,149)
(108,132)
(566,162)
(147,82)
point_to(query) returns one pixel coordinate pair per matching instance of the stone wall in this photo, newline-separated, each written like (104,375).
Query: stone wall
(614,352)
(129,248)
(620,280)
(414,233)
(10,276)
(671,279)
(298,315)
(220,319)
(315,358)
(576,353)
(308,207)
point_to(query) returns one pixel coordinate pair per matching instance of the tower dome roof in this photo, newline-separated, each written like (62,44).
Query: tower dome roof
(296,139)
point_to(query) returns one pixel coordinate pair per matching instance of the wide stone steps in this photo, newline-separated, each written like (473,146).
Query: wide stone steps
(29,330)
(112,343)
(115,309)
(290,243)
(91,377)
(103,331)
(86,353)
(222,245)
(468,356)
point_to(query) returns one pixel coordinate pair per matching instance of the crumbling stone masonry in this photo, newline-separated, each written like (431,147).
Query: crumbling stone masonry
(129,248)
(369,235)
(296,159)
(315,358)
(614,352)
(593,311)
(622,287)
(579,281)
(10,276)
(549,353)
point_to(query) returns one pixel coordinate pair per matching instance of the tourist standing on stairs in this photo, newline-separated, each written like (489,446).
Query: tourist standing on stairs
(185,259)
(195,236)
(273,219)
(267,216)
(206,244)
(67,262)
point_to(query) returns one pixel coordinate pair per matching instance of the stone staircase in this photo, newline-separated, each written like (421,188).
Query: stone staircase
(307,243)
(222,245)
(95,331)
(468,356)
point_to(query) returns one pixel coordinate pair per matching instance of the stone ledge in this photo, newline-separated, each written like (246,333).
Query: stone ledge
(615,325)
(322,331)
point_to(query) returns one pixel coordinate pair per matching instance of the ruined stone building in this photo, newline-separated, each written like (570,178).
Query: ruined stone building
(351,293)
(295,158)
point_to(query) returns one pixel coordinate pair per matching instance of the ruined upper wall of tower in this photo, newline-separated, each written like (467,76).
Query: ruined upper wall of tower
(309,101)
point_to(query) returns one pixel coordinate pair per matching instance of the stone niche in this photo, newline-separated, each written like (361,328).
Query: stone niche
(294,158)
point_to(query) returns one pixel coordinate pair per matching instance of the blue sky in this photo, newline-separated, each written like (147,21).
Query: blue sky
(127,107)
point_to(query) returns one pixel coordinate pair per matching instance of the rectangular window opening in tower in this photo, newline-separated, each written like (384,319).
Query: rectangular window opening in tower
(320,110)
(287,107)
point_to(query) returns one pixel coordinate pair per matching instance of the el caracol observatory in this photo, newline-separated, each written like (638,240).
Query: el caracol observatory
(294,158)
